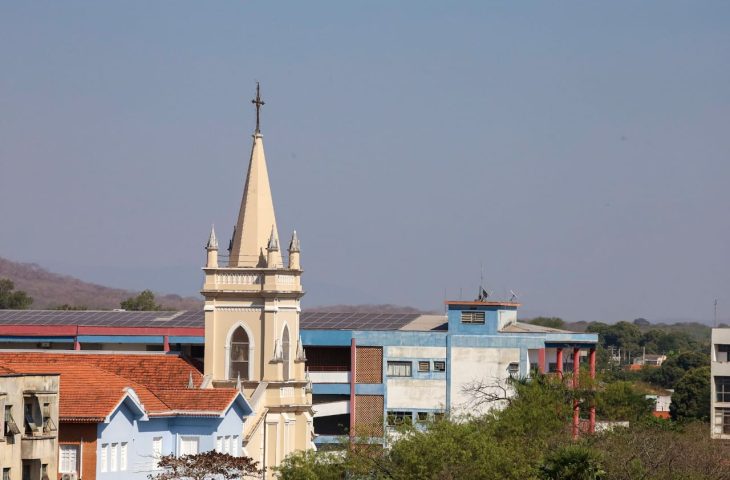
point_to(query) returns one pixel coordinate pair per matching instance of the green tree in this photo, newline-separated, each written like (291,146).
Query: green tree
(674,368)
(10,299)
(691,397)
(313,465)
(622,401)
(552,322)
(572,462)
(143,301)
(67,306)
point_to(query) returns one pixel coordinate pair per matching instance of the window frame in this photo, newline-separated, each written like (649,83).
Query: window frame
(439,365)
(422,364)
(473,317)
(63,463)
(722,389)
(405,364)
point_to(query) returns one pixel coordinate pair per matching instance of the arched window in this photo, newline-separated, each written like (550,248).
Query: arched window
(239,355)
(285,347)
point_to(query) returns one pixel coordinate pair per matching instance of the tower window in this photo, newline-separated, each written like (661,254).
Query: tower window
(239,355)
(286,348)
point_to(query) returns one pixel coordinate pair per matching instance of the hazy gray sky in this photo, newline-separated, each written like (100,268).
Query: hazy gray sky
(579,151)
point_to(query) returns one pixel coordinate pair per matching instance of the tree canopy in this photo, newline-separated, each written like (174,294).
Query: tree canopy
(11,298)
(205,466)
(144,301)
(691,397)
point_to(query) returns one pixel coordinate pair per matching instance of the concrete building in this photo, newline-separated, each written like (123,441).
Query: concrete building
(370,372)
(28,449)
(720,384)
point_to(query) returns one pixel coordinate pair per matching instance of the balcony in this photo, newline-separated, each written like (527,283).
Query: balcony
(330,377)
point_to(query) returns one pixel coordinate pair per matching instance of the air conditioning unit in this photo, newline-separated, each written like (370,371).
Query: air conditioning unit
(66,476)
(74,476)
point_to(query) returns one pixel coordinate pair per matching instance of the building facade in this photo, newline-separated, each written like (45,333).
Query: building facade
(720,383)
(28,449)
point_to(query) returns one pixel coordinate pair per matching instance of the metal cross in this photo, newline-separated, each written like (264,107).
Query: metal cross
(258,102)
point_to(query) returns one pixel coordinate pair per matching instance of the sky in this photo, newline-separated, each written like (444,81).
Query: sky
(576,153)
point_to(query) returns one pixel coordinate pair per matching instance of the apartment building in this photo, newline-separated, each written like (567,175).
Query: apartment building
(29,446)
(720,384)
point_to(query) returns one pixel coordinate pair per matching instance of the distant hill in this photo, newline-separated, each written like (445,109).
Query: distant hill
(50,290)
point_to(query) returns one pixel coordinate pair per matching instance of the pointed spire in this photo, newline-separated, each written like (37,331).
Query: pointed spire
(301,355)
(273,245)
(191,385)
(256,216)
(212,240)
(238,382)
(294,243)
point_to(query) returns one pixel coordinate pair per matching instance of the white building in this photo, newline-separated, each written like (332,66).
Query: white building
(720,384)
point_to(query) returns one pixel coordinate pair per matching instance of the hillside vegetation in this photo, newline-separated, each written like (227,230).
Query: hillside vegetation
(51,290)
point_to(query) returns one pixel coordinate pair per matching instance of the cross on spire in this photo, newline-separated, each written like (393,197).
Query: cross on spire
(258,102)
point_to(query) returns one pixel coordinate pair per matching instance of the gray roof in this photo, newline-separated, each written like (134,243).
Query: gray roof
(196,319)
(355,320)
(105,318)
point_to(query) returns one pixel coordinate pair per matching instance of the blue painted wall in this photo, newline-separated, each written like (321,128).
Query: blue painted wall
(127,425)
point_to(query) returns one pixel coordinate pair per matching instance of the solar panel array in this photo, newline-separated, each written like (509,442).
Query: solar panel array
(103,318)
(196,319)
(355,320)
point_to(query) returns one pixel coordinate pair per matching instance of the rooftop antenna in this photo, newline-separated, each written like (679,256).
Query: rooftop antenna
(514,295)
(715,313)
(483,294)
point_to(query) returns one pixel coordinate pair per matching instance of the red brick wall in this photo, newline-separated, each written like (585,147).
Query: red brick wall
(369,415)
(73,433)
(369,365)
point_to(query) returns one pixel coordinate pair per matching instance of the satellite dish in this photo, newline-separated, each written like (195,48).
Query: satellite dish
(514,295)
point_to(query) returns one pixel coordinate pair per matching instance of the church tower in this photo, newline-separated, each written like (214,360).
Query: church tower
(252,306)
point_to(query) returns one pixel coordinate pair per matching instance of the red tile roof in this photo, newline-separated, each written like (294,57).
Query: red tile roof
(162,371)
(92,385)
(209,400)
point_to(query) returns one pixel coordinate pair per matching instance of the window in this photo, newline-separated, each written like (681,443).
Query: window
(31,414)
(424,366)
(439,366)
(234,445)
(188,445)
(123,457)
(104,457)
(227,444)
(399,369)
(722,389)
(156,450)
(726,421)
(6,474)
(11,428)
(68,456)
(113,454)
(219,444)
(286,348)
(48,424)
(239,355)
(472,317)
(396,418)
(513,369)
(422,417)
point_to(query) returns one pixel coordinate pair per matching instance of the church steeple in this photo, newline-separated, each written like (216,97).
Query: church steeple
(256,217)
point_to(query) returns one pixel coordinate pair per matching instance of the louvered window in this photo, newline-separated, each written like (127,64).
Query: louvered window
(424,366)
(472,317)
